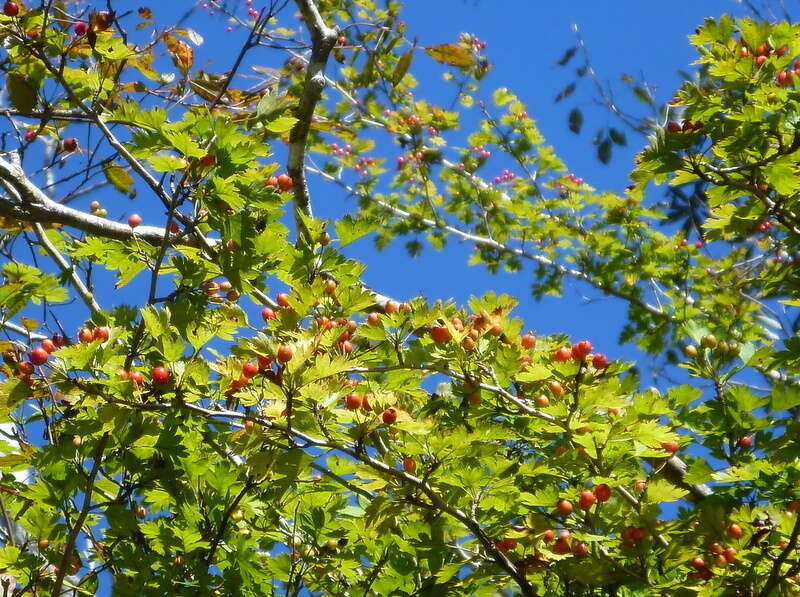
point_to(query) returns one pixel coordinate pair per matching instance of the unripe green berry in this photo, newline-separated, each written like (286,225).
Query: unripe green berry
(708,341)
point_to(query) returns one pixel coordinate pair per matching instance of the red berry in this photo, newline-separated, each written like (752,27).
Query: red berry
(101,333)
(267,313)
(160,376)
(637,533)
(30,136)
(556,388)
(81,29)
(441,334)
(285,182)
(282,299)
(69,144)
(587,499)
(548,535)
(785,78)
(562,355)
(673,127)
(670,446)
(249,424)
(48,345)
(240,383)
(39,356)
(409,464)
(11,9)
(249,369)
(581,350)
(389,416)
(346,346)
(365,402)
(85,335)
(58,340)
(734,531)
(602,493)
(579,548)
(561,546)
(746,441)
(208,160)
(541,401)
(353,401)
(528,341)
(137,378)
(600,361)
(761,60)
(134,220)
(390,307)
(373,318)
(699,563)
(564,507)
(285,353)
(264,363)
(272,181)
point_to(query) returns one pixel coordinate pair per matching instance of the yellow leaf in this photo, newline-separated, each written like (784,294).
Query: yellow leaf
(451,54)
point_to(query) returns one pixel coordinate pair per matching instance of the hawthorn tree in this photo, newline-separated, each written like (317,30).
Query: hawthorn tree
(262,422)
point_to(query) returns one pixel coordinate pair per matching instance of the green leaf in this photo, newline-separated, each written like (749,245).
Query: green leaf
(575,120)
(604,151)
(119,178)
(566,92)
(280,125)
(617,136)
(402,66)
(166,163)
(698,472)
(272,105)
(784,397)
(21,93)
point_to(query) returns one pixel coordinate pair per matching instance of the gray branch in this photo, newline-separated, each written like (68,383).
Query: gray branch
(323,39)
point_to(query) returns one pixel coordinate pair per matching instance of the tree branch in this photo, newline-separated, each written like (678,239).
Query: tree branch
(76,526)
(482,240)
(68,269)
(354,452)
(33,205)
(323,39)
(775,574)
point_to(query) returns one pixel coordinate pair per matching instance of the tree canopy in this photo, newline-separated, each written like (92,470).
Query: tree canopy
(262,422)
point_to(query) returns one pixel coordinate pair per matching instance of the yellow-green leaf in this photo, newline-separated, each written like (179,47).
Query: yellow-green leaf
(119,178)
(451,54)
(402,67)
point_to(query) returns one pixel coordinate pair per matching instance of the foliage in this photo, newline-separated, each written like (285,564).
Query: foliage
(341,442)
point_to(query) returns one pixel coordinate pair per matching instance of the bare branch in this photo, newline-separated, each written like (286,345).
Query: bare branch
(68,269)
(482,240)
(323,39)
(33,205)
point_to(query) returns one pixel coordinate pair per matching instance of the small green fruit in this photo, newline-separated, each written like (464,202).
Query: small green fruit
(708,341)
